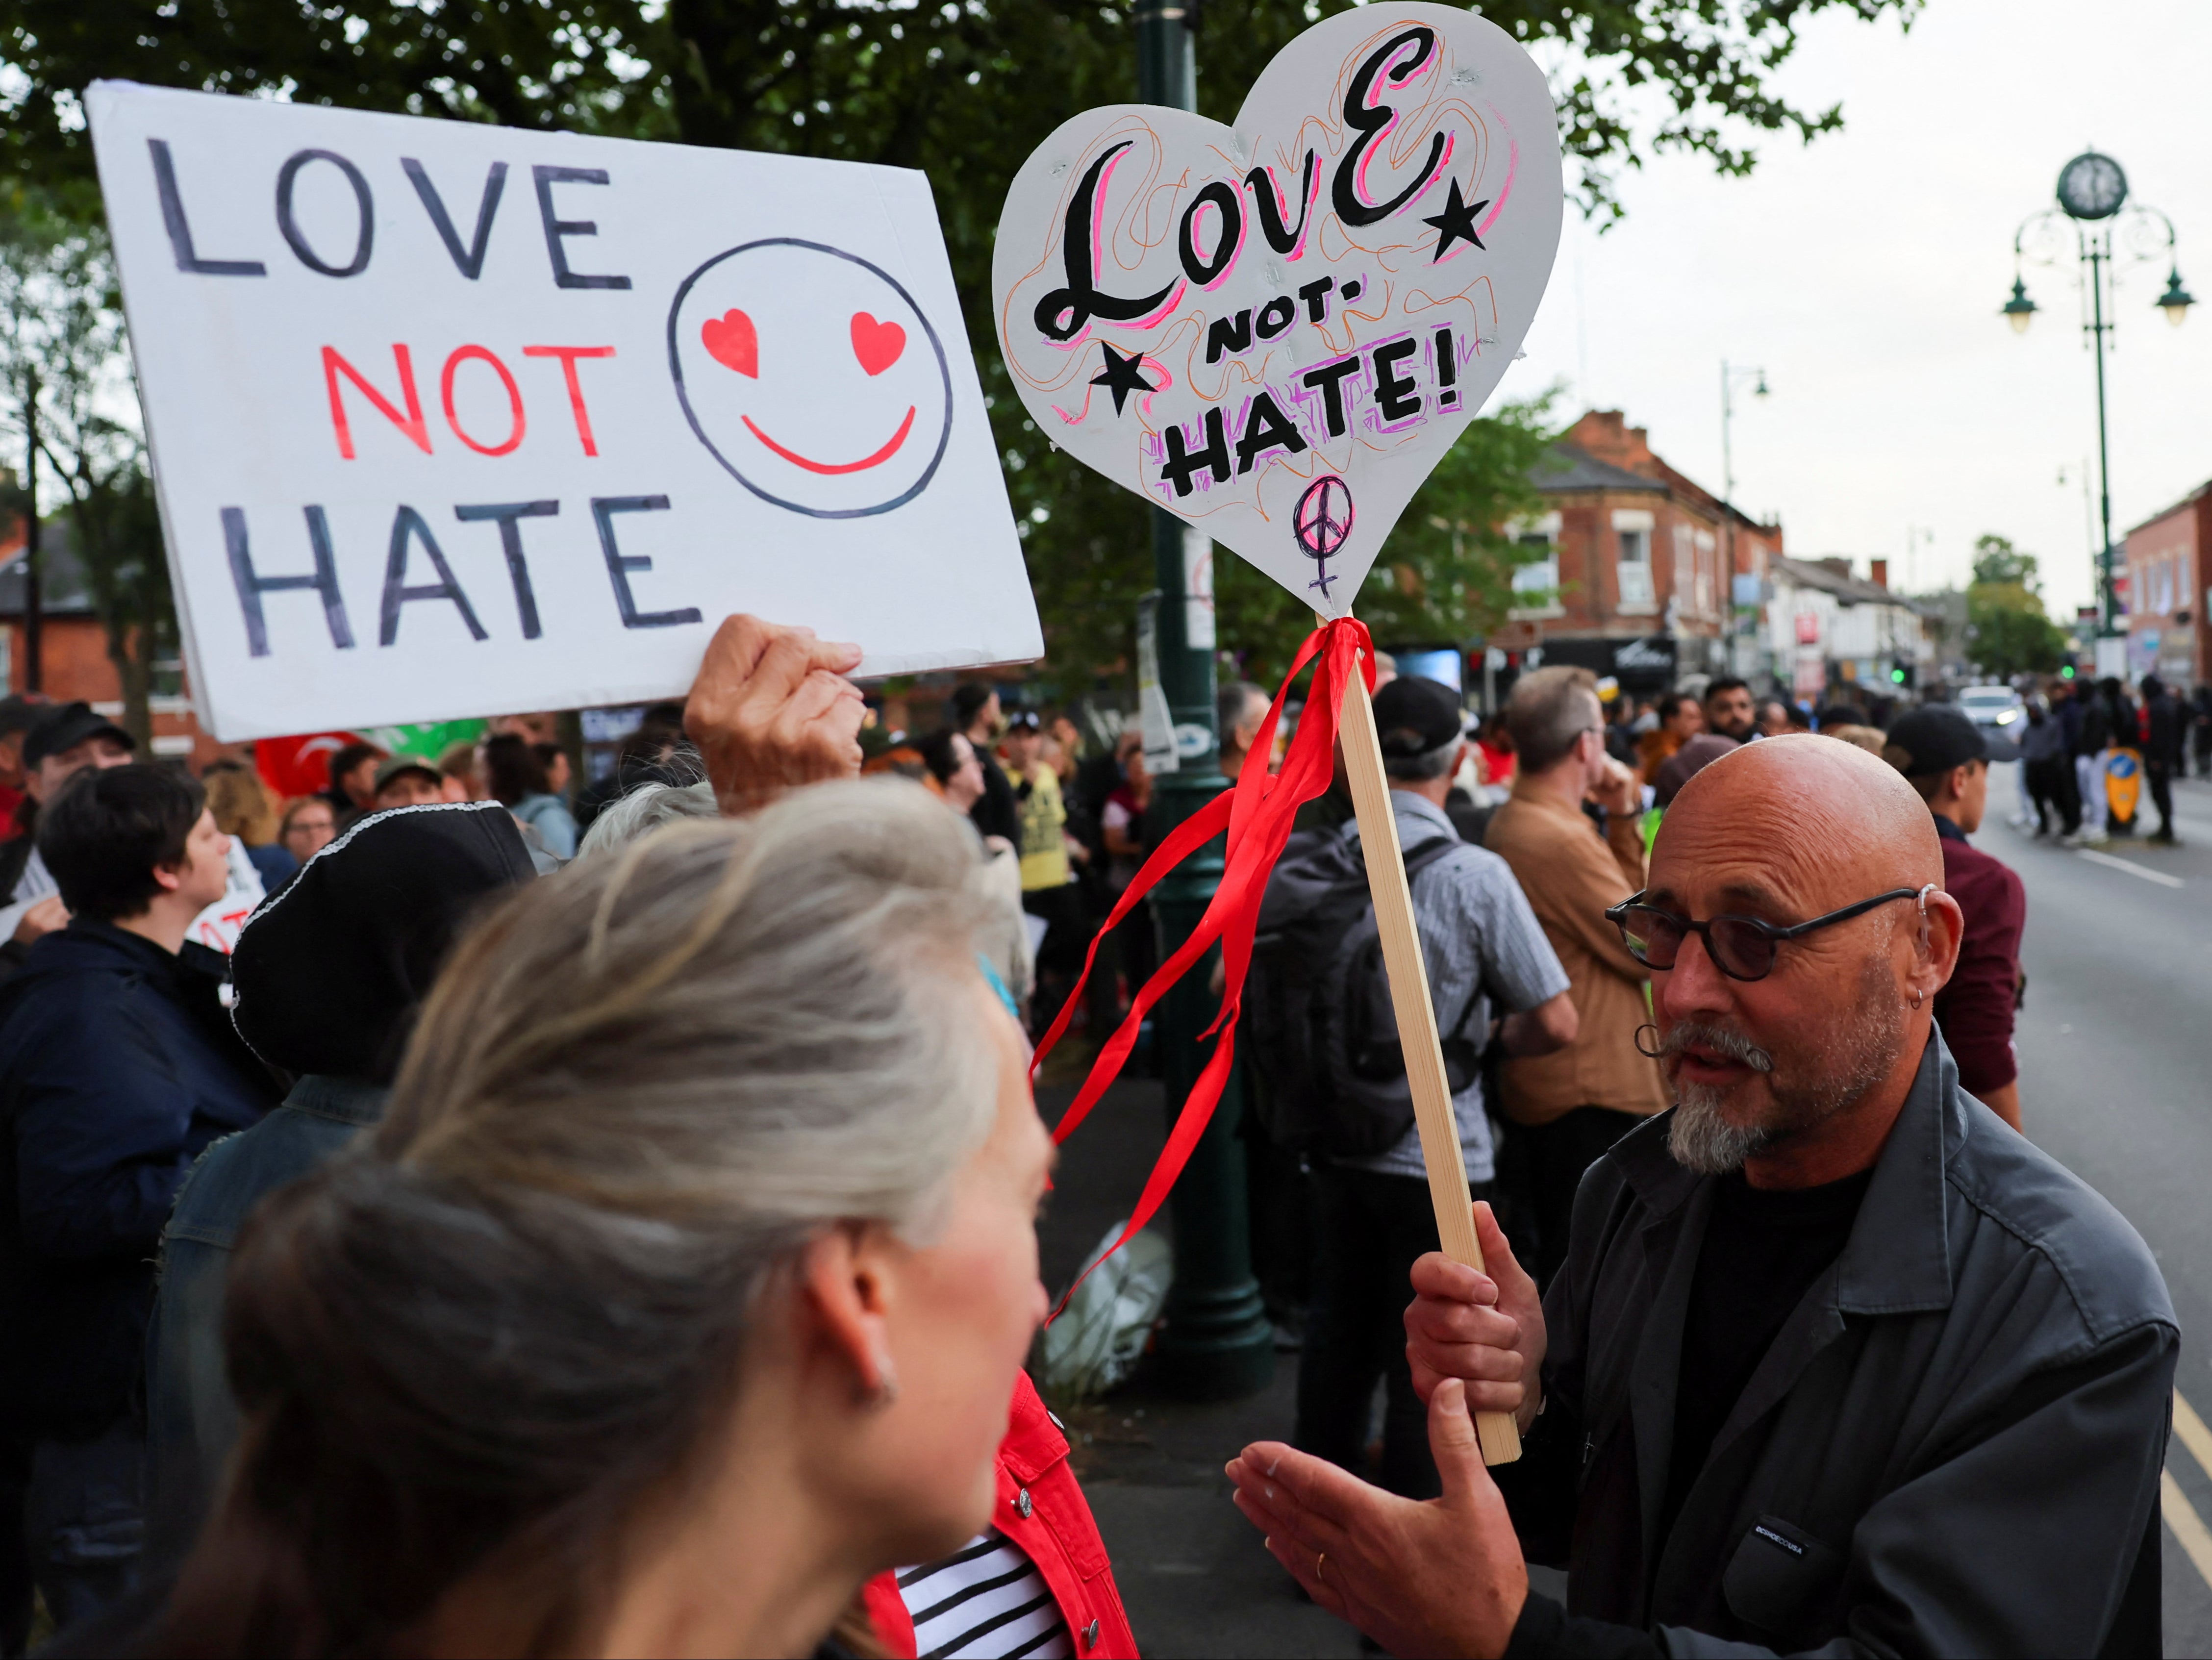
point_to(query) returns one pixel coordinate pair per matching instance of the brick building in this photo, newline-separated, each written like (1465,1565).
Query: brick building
(2166,594)
(1639,576)
(73,646)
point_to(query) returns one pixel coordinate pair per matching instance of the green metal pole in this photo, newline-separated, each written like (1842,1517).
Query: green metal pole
(2110,596)
(1217,1342)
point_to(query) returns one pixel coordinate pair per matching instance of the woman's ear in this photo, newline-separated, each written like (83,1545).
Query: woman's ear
(847,1284)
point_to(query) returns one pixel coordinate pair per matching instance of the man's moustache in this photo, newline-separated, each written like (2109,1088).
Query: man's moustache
(1734,1045)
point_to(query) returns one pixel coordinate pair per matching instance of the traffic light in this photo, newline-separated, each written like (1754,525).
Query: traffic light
(1900,676)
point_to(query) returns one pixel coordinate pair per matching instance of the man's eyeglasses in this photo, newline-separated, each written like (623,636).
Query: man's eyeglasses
(1741,947)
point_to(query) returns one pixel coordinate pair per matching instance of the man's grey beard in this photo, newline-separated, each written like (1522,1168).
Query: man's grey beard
(1851,1063)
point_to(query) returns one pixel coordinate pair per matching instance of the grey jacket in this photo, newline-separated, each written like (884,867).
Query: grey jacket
(1952,1447)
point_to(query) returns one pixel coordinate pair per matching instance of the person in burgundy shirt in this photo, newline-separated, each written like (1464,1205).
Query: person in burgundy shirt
(1946,757)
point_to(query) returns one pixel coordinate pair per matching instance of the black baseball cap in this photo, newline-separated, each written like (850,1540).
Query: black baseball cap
(1414,716)
(394,766)
(62,727)
(1023,720)
(1937,737)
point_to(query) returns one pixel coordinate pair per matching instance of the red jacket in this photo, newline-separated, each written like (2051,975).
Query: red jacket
(1040,1509)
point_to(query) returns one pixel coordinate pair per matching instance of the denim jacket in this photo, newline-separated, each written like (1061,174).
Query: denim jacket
(191,1419)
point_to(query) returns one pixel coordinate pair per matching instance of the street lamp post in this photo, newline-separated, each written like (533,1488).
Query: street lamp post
(1731,378)
(2092,192)
(1217,1342)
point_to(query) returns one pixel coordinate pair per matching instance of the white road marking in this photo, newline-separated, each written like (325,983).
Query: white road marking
(2130,866)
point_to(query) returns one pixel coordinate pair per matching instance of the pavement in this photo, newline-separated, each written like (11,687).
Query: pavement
(1193,1573)
(2116,1061)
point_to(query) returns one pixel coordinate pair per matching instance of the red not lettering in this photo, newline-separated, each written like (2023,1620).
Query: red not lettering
(412,424)
(569,355)
(513,399)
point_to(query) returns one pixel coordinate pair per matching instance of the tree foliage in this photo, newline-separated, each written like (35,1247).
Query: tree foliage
(963,89)
(65,381)
(2005,619)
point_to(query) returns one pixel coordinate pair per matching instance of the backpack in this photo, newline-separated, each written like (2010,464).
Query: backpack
(1324,1035)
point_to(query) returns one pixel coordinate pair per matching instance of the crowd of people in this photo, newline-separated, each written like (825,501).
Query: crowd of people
(602,1219)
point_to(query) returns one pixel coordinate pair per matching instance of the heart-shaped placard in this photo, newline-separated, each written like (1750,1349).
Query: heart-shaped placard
(1276,330)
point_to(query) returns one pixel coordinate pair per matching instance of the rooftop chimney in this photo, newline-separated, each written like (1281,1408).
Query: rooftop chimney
(1878,571)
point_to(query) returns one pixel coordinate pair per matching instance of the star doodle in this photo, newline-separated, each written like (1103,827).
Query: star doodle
(1122,377)
(1456,223)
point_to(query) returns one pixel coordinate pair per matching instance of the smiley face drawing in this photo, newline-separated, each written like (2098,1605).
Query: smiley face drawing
(811,375)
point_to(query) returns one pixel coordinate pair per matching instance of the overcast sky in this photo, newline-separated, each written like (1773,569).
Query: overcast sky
(1864,273)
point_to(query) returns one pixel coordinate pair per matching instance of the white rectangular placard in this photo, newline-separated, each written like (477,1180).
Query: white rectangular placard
(451,419)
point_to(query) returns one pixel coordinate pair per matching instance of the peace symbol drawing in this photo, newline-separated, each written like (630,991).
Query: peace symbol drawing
(1257,326)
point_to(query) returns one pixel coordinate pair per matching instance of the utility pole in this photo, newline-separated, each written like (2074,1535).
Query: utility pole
(34,675)
(1217,1342)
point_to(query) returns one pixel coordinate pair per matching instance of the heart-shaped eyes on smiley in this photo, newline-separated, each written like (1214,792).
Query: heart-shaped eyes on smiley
(730,341)
(877,345)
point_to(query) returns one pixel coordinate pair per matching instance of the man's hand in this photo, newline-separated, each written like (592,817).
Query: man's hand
(1620,793)
(48,916)
(772,710)
(1486,1329)
(1443,1577)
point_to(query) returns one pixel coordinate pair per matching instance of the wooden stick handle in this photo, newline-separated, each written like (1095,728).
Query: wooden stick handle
(1417,1018)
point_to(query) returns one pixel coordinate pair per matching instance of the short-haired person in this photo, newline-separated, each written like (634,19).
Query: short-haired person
(407,780)
(979,717)
(65,741)
(1838,1363)
(1774,718)
(1730,711)
(1568,1107)
(955,769)
(722,1151)
(352,789)
(1240,710)
(117,1067)
(1681,718)
(1486,959)
(309,825)
(1945,756)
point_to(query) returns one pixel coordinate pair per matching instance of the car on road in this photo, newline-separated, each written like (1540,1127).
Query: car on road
(1994,706)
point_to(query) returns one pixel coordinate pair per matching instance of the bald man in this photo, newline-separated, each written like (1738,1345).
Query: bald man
(1838,1362)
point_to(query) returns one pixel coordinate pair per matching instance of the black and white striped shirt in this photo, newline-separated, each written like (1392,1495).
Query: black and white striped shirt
(984,1601)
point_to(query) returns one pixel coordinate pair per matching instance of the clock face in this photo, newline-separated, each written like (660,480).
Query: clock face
(2092,187)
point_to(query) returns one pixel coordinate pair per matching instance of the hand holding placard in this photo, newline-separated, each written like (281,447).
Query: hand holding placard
(771,710)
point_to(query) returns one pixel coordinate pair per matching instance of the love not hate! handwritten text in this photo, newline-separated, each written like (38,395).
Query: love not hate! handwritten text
(1386,386)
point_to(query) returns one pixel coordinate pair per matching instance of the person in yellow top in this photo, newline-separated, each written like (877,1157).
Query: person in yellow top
(1567,1108)
(1049,890)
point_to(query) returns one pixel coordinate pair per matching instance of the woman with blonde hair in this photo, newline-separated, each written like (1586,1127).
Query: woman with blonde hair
(245,807)
(682,1287)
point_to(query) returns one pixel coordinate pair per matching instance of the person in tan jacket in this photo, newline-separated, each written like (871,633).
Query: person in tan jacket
(1568,1107)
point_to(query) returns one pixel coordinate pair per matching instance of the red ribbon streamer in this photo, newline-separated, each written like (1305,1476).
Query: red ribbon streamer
(1257,812)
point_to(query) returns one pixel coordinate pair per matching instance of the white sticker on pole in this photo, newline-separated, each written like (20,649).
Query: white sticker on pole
(450,418)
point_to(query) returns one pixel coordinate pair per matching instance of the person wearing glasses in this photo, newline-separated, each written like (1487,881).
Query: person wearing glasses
(1945,758)
(1837,1364)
